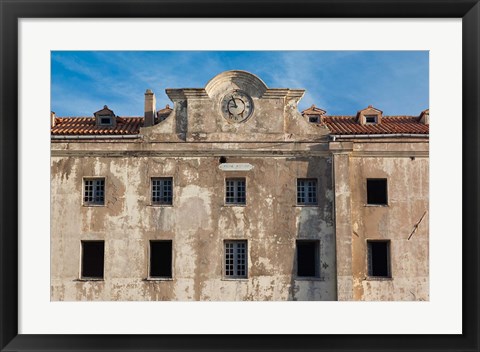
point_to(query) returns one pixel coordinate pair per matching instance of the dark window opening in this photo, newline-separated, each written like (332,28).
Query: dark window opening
(379,258)
(161,259)
(377,191)
(105,121)
(162,192)
(308,258)
(371,119)
(235,192)
(236,259)
(92,259)
(313,119)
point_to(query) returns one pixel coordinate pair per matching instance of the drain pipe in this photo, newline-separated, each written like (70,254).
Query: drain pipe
(343,136)
(120,136)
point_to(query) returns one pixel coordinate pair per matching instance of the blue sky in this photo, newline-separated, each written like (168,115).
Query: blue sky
(341,82)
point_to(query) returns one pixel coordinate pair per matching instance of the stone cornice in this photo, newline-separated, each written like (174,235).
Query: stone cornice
(187,93)
(295,93)
(283,93)
(389,154)
(187,153)
(238,153)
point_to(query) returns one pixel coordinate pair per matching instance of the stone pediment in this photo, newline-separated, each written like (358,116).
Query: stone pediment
(231,80)
(235,106)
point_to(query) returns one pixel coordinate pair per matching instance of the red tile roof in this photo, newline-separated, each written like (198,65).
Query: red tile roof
(338,125)
(86,126)
(348,125)
(72,126)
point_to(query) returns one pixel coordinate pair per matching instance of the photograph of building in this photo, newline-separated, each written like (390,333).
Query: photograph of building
(230,192)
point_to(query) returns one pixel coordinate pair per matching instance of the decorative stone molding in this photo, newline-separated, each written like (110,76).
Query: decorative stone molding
(241,79)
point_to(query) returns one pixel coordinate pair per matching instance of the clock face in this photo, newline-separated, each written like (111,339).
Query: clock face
(236,106)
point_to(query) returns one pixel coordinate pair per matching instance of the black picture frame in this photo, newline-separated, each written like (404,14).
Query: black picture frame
(11,11)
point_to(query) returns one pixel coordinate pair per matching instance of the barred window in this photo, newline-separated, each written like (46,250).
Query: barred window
(235,192)
(162,190)
(236,259)
(306,191)
(94,191)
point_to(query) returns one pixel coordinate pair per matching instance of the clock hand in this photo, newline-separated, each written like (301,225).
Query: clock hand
(234,103)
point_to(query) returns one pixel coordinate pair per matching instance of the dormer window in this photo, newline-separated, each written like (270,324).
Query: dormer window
(314,114)
(371,119)
(105,117)
(369,116)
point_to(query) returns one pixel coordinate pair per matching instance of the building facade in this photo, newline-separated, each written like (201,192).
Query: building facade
(233,194)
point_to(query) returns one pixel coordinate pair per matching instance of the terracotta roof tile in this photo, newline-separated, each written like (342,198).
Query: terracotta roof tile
(86,126)
(389,125)
(346,125)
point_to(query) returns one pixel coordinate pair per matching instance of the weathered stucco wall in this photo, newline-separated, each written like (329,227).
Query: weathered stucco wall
(343,226)
(198,222)
(405,166)
(282,146)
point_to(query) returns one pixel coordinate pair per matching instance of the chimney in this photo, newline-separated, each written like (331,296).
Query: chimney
(425,117)
(52,119)
(150,113)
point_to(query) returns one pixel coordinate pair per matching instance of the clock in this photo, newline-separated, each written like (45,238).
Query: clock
(236,106)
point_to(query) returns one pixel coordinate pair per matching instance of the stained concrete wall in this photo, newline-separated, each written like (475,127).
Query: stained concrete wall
(198,222)
(404,221)
(281,146)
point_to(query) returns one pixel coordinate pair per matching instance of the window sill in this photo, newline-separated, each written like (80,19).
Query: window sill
(378,278)
(85,279)
(309,278)
(158,279)
(305,206)
(160,205)
(235,205)
(376,205)
(93,205)
(244,279)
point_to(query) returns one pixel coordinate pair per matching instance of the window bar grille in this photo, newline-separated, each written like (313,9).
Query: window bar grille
(235,192)
(162,191)
(94,191)
(306,191)
(236,259)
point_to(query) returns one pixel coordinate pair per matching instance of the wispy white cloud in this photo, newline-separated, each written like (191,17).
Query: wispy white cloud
(340,82)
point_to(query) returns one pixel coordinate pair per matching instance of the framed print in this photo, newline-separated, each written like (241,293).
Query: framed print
(239,176)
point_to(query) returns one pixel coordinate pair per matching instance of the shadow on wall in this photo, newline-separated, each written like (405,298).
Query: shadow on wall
(313,208)
(181,125)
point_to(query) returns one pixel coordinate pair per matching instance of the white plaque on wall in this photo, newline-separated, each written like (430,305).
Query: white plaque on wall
(235,167)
